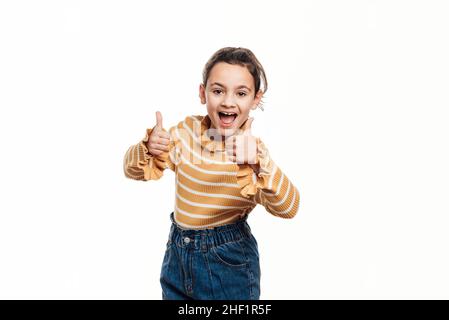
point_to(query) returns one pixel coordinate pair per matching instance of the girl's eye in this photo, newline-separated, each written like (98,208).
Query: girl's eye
(242,94)
(216,91)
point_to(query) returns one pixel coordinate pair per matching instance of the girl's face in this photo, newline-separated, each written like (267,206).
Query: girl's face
(229,89)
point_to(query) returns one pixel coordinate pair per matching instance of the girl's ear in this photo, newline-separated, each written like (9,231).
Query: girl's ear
(202,94)
(257,99)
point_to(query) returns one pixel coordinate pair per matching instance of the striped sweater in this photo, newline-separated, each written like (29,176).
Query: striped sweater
(211,190)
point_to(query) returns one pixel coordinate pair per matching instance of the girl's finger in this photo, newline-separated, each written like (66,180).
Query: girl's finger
(161,147)
(155,152)
(162,140)
(163,134)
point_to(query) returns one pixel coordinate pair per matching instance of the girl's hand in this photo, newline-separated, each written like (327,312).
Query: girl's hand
(242,148)
(159,139)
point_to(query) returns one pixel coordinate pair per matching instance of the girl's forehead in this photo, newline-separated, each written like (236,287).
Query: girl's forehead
(230,74)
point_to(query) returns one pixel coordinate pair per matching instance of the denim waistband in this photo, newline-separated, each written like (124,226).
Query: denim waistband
(205,238)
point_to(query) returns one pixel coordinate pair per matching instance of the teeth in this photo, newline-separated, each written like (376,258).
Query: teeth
(227,113)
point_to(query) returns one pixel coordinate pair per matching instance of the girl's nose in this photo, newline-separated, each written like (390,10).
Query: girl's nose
(228,101)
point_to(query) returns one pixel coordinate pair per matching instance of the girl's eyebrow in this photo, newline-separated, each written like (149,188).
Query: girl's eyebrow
(238,87)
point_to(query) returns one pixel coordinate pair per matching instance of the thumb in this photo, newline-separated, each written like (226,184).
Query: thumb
(247,125)
(158,120)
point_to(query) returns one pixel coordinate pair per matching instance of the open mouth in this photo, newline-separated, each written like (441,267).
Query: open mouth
(227,118)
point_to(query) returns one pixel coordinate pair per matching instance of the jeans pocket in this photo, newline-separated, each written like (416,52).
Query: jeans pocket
(231,254)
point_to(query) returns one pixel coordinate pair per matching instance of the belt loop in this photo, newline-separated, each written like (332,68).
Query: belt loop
(203,242)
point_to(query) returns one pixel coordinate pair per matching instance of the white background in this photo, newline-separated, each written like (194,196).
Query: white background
(356,115)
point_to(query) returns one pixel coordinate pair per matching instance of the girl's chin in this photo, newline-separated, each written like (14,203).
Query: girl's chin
(226,131)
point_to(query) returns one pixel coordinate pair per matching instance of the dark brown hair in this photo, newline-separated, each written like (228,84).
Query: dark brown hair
(243,57)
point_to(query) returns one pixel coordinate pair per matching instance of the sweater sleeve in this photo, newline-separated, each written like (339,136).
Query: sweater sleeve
(139,164)
(270,187)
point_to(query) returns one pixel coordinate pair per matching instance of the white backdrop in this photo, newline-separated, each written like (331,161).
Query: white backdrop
(356,115)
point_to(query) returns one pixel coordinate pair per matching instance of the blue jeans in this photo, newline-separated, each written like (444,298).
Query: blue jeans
(211,264)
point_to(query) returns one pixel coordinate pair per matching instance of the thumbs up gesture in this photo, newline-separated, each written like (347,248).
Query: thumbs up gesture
(242,148)
(159,139)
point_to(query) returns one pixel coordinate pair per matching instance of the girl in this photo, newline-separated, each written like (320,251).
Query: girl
(222,172)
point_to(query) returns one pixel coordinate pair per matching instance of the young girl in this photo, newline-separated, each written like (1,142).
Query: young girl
(222,172)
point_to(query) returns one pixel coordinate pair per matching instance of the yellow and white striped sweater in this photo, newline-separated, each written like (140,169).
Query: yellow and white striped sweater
(211,190)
